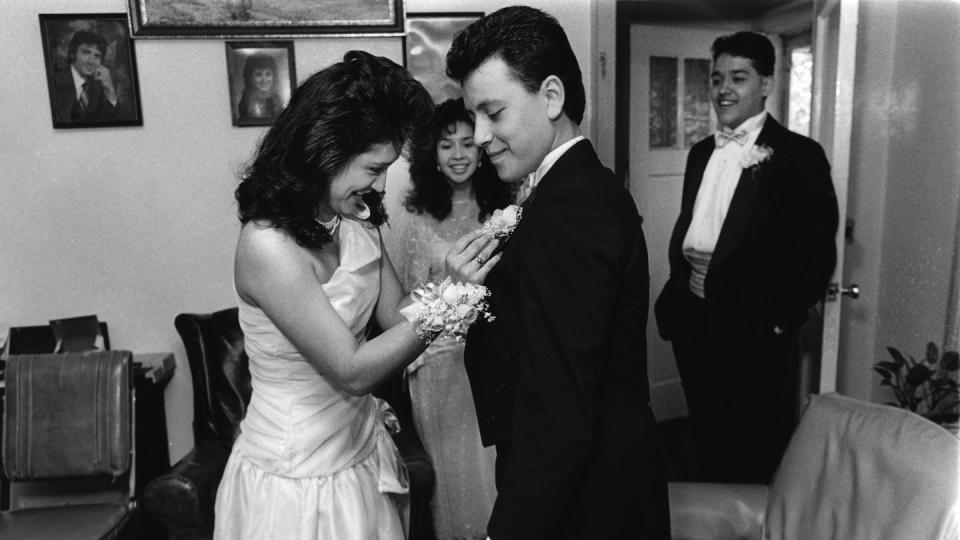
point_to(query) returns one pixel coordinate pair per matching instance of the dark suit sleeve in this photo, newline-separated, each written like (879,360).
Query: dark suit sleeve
(567,296)
(811,222)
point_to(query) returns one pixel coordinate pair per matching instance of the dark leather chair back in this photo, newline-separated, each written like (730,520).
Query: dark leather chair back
(68,445)
(220,372)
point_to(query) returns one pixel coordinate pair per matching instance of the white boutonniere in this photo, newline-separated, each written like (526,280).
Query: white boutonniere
(756,155)
(502,223)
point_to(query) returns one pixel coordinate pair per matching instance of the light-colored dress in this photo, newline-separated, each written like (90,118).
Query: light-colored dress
(442,402)
(313,462)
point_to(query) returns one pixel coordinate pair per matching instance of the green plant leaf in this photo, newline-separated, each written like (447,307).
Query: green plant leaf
(918,375)
(943,382)
(950,361)
(891,367)
(897,356)
(883,373)
(933,353)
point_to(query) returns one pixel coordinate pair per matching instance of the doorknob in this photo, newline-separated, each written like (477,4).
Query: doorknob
(853,291)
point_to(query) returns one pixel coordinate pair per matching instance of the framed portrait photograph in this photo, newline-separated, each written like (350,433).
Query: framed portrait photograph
(262,77)
(264,18)
(91,70)
(426,43)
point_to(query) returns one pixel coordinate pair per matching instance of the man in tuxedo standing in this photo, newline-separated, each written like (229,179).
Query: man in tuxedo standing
(85,91)
(560,376)
(752,250)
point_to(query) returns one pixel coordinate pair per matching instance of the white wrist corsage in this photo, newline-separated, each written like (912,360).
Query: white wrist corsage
(755,155)
(502,222)
(447,309)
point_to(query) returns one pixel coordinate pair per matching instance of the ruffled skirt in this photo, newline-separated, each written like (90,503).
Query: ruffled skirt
(347,505)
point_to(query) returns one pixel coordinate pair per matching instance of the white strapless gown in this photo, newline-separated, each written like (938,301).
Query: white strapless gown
(313,462)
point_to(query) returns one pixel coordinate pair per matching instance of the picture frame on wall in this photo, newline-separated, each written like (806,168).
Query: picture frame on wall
(91,70)
(264,18)
(262,76)
(428,38)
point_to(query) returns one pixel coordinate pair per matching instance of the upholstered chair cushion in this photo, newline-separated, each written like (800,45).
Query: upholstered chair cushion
(860,470)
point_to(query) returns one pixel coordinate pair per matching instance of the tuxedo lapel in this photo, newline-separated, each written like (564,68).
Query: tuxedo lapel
(738,215)
(579,153)
(694,177)
(697,167)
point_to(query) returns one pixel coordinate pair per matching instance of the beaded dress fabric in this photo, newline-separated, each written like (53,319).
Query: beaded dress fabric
(443,409)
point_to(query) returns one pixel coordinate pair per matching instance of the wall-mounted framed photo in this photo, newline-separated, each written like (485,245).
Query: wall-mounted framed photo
(264,18)
(426,43)
(91,70)
(262,76)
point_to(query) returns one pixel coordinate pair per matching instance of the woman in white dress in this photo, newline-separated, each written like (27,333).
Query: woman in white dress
(455,188)
(313,460)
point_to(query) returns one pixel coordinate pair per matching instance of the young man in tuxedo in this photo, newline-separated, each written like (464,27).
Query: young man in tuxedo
(752,250)
(85,91)
(560,376)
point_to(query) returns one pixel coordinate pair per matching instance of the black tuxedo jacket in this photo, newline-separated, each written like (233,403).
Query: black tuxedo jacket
(561,375)
(67,107)
(776,249)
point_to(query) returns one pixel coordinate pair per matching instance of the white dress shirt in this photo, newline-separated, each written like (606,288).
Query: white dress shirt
(720,180)
(78,81)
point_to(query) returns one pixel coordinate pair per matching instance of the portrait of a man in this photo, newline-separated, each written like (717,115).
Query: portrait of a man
(91,71)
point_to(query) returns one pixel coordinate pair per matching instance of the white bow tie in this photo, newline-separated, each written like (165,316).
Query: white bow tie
(723,137)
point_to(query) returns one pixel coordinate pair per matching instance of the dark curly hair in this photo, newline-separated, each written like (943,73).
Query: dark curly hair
(86,37)
(528,40)
(335,115)
(431,192)
(750,45)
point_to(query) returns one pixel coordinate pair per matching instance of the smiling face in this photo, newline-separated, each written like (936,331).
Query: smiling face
(364,173)
(457,155)
(512,124)
(737,90)
(87,59)
(263,79)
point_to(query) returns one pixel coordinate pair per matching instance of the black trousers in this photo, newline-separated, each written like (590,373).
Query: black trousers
(740,397)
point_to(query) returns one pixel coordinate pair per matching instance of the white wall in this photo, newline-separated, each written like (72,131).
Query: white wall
(904,184)
(138,224)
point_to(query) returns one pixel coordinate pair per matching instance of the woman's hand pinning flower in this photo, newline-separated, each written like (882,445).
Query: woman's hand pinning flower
(502,223)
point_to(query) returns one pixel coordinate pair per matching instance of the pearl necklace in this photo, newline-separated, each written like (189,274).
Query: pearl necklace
(330,226)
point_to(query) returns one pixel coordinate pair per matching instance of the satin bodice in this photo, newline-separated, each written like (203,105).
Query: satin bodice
(299,423)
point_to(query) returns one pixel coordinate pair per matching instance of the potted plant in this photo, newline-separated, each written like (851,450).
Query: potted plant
(927,387)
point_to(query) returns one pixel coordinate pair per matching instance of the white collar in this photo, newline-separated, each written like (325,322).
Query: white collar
(550,159)
(750,125)
(78,80)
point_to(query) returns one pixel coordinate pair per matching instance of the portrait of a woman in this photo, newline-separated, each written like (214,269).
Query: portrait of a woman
(261,81)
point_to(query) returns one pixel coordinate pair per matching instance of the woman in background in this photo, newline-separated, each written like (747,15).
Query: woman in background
(454,189)
(260,98)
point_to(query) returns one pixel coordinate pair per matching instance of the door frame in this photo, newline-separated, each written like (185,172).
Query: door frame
(834,134)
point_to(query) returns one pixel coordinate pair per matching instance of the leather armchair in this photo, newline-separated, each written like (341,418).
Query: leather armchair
(853,469)
(184,499)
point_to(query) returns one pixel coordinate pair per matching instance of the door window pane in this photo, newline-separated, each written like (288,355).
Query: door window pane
(696,100)
(663,102)
(801,84)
